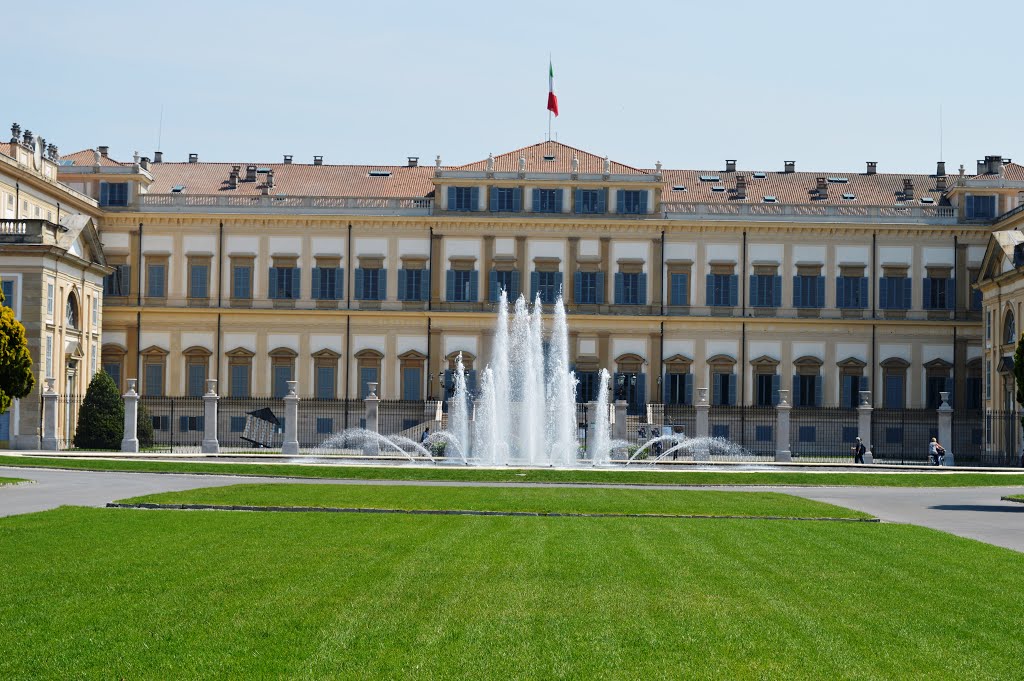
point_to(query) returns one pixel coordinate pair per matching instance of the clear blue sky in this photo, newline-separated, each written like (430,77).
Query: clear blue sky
(827,84)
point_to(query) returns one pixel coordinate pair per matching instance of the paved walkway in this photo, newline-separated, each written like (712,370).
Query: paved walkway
(975,512)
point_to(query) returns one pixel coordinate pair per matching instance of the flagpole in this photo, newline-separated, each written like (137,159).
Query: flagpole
(549,125)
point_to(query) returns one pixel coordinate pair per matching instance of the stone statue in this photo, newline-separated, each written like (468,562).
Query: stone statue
(607,166)
(26,138)
(437,161)
(575,164)
(135,157)
(657,167)
(522,164)
(961,170)
(95,157)
(15,132)
(490,163)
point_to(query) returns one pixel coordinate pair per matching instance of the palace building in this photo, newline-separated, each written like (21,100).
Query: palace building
(744,281)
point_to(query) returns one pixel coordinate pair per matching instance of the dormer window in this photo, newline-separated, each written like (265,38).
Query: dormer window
(177,189)
(113,193)
(678,188)
(770,199)
(549,157)
(759,175)
(709,178)
(379,173)
(927,200)
(718,188)
(980,207)
(838,180)
(849,197)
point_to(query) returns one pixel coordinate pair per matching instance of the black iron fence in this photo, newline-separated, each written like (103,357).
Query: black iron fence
(999,433)
(903,435)
(68,407)
(822,433)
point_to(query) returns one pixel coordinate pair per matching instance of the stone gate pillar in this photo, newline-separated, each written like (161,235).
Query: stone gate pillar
(291,421)
(211,445)
(372,415)
(946,428)
(130,442)
(864,410)
(783,451)
(50,398)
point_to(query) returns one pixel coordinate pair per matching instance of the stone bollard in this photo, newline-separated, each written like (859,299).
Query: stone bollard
(702,426)
(864,410)
(946,428)
(50,397)
(211,445)
(783,451)
(619,430)
(291,421)
(372,404)
(130,442)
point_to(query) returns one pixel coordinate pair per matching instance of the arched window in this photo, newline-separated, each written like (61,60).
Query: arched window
(71,312)
(1009,329)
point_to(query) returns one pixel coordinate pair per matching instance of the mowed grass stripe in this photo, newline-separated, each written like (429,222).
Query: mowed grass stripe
(507,499)
(11,481)
(637,475)
(105,593)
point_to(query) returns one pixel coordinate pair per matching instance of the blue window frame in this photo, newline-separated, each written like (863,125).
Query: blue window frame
(154,379)
(238,377)
(807,390)
(548,285)
(282,373)
(766,390)
(547,200)
(939,293)
(631,201)
(630,288)
(118,282)
(367,375)
(679,289)
(975,300)
(196,379)
(678,389)
(807,434)
(722,290)
(506,199)
(241,282)
(328,283)
(849,434)
(589,288)
(723,389)
(849,396)
(198,281)
(7,286)
(113,193)
(113,369)
(464,198)
(462,286)
(590,201)
(324,425)
(894,391)
(412,284)
(237,424)
(720,430)
(504,280)
(285,283)
(586,389)
(765,290)
(979,207)
(894,293)
(325,382)
(371,284)
(808,291)
(764,433)
(852,293)
(156,281)
(412,383)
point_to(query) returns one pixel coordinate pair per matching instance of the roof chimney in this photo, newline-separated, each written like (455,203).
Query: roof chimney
(233,178)
(144,162)
(822,188)
(103,149)
(908,188)
(270,179)
(790,166)
(158,157)
(318,160)
(982,166)
(994,163)
(414,161)
(287,159)
(741,186)
(940,169)
(250,173)
(872,167)
(730,165)
(193,158)
(940,183)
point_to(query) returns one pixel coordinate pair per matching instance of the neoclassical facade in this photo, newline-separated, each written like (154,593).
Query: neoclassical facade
(743,281)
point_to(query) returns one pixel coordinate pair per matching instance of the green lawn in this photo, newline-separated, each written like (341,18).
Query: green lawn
(11,481)
(636,476)
(115,593)
(548,500)
(1016,497)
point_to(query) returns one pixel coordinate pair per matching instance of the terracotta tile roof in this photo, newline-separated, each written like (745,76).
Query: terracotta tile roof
(294,179)
(561,163)
(86,157)
(882,189)
(1013,172)
(7,150)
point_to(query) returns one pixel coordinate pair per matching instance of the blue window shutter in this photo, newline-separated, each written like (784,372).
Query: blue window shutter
(514,293)
(951,293)
(734,289)
(821,291)
(104,193)
(474,286)
(688,388)
(296,283)
(795,392)
(817,391)
(733,397)
(927,289)
(666,392)
(578,201)
(754,299)
(641,389)
(183,424)
(846,399)
(493,198)
(883,293)
(716,398)
(534,284)
(642,289)
(272,283)
(382,284)
(559,283)
(777,291)
(451,198)
(970,206)
(315,288)
(577,286)
(339,288)
(492,286)
(620,293)
(643,200)
(863,386)
(450,285)
(536,200)
(474,198)
(863,292)
(776,381)
(949,389)
(841,292)
(620,201)
(797,292)
(709,294)
(906,293)
(517,199)
(559,201)
(600,288)
(602,200)
(403,278)
(359,283)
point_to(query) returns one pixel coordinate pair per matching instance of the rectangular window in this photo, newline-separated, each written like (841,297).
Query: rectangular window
(631,202)
(722,290)
(113,369)
(462,286)
(282,373)
(852,293)
(7,287)
(765,290)
(679,289)
(49,300)
(506,199)
(367,375)
(154,379)
(589,288)
(155,281)
(807,434)
(723,388)
(981,207)
(849,434)
(285,283)
(238,376)
(806,390)
(412,383)
(325,382)
(237,424)
(678,389)
(766,387)
(49,357)
(547,200)
(95,313)
(463,198)
(763,433)
(720,430)
(196,379)
(808,291)
(973,392)
(938,293)
(113,193)
(198,280)
(504,280)
(412,284)
(371,284)
(118,282)
(590,201)
(241,282)
(894,393)
(328,283)
(586,389)
(630,288)
(894,293)
(324,426)
(548,285)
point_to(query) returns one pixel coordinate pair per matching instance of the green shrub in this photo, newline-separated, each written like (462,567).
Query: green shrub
(144,427)
(101,416)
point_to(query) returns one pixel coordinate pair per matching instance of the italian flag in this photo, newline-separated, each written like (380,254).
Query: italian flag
(552,99)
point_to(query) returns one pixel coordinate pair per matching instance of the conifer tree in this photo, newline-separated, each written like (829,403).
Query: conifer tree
(101,416)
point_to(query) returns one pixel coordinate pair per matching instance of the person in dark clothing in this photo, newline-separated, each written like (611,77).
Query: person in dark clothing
(425,436)
(858,451)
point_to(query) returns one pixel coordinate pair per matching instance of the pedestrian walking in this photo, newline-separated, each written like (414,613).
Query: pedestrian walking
(642,434)
(858,451)
(425,436)
(935,452)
